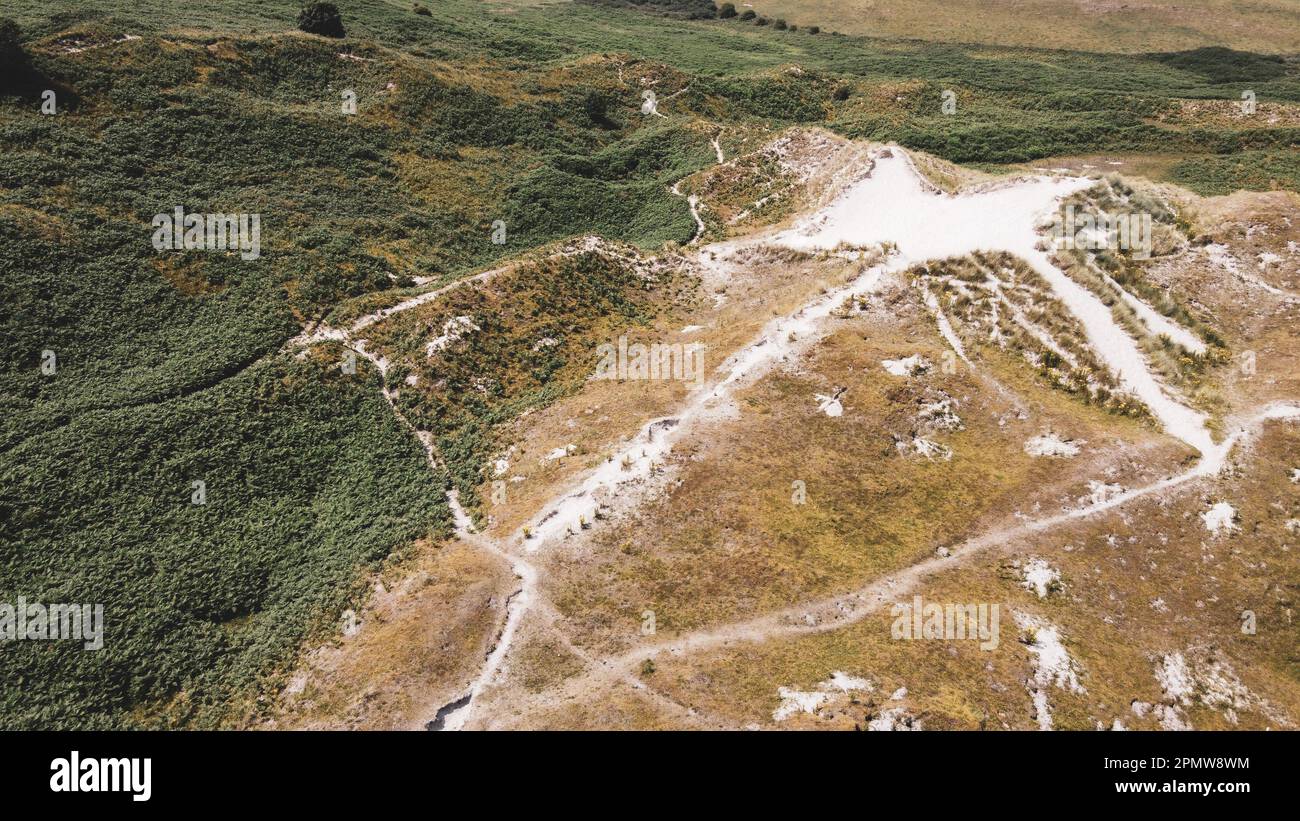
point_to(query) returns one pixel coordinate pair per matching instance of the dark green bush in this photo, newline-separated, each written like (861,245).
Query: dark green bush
(727,10)
(748,14)
(12,55)
(321,18)
(780,25)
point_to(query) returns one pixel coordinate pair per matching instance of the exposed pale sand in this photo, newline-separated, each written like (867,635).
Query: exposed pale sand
(1156,321)
(895,205)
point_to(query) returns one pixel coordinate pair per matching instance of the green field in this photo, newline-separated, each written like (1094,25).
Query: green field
(172,368)
(1081,25)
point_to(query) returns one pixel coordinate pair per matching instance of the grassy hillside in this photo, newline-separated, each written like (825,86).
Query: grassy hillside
(1083,25)
(173,367)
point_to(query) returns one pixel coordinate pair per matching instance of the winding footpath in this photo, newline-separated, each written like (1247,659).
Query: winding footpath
(892,207)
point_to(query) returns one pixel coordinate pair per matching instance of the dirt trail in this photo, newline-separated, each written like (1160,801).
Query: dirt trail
(454,716)
(914,237)
(917,238)
(845,609)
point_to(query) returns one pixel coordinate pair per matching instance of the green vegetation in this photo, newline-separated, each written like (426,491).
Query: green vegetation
(687,9)
(12,56)
(321,18)
(536,332)
(172,367)
(308,479)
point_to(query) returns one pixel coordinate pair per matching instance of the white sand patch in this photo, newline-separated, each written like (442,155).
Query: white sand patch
(690,329)
(1099,493)
(1052,665)
(1042,711)
(829,405)
(844,683)
(931,449)
(913,365)
(1220,518)
(939,415)
(1050,444)
(560,453)
(1040,577)
(1170,718)
(1220,687)
(452,330)
(1293,525)
(796,701)
(896,205)
(1207,679)
(1222,257)
(1295,476)
(833,690)
(893,719)
(1052,662)
(1268,258)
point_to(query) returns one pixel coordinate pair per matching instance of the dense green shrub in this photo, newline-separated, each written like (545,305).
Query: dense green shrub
(727,10)
(12,56)
(780,25)
(748,14)
(321,18)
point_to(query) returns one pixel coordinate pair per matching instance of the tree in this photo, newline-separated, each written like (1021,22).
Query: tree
(748,14)
(12,56)
(321,18)
(727,10)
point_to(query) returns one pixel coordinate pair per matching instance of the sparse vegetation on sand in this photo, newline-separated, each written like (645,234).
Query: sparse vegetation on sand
(170,447)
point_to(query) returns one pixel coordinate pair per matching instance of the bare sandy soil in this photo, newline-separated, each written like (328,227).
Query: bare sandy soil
(730,553)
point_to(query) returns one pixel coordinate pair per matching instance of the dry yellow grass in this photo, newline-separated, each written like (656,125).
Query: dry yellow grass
(1267,26)
(422,638)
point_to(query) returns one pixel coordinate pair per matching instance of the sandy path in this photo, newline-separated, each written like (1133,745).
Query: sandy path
(893,205)
(454,715)
(842,610)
